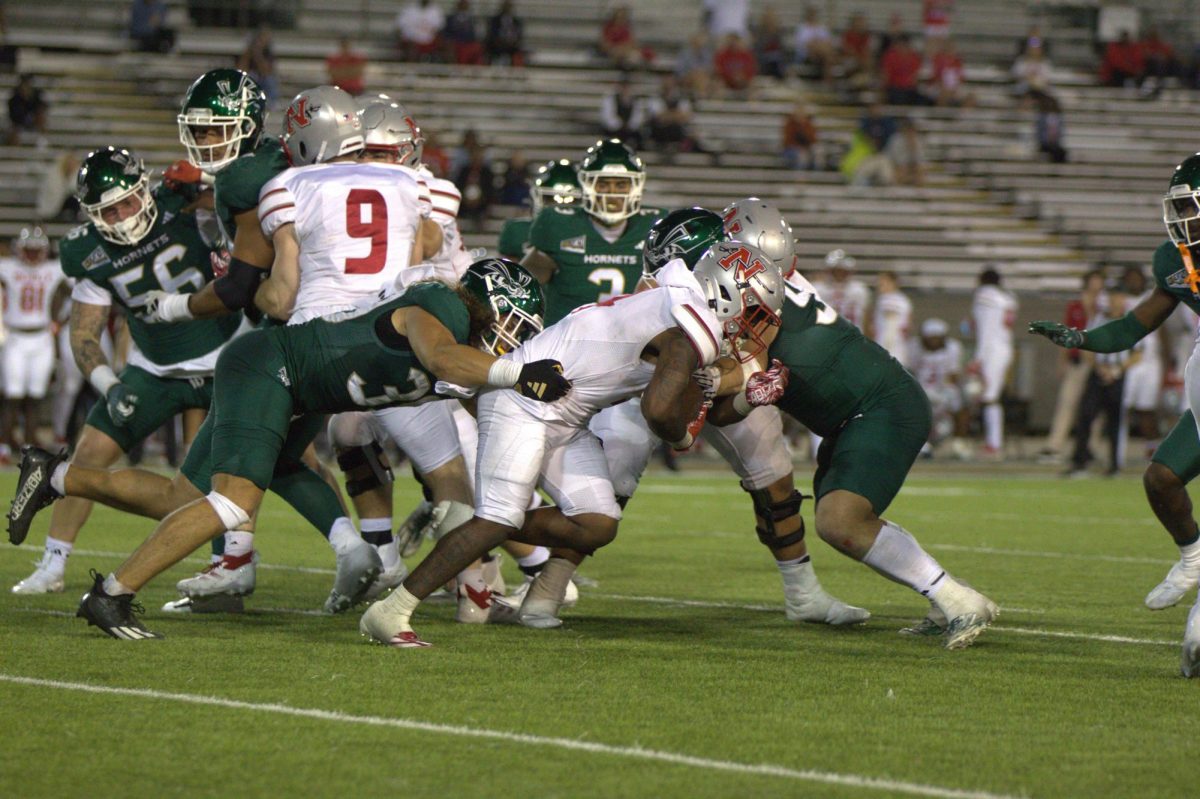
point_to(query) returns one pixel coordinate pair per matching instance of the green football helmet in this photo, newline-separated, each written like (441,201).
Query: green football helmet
(556,184)
(1181,203)
(514,296)
(607,160)
(229,101)
(685,233)
(116,181)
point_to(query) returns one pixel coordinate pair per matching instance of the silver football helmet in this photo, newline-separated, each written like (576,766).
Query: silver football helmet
(760,224)
(744,289)
(389,127)
(837,259)
(321,124)
(31,245)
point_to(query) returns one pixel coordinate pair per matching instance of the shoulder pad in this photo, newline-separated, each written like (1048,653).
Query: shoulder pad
(80,252)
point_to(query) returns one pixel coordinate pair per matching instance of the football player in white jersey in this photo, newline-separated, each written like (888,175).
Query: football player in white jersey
(644,344)
(936,361)
(841,290)
(32,300)
(892,317)
(993,313)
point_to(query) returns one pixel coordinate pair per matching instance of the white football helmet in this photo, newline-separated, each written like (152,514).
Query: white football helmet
(389,127)
(759,223)
(744,289)
(31,245)
(321,124)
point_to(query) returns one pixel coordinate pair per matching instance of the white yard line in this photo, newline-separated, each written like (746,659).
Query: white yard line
(522,739)
(1032,553)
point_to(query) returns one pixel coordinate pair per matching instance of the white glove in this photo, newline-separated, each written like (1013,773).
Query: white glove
(163,307)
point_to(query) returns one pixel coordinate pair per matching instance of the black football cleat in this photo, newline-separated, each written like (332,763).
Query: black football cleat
(114,615)
(34,491)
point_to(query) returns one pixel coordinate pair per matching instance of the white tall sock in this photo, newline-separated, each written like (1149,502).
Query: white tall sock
(57,552)
(1189,554)
(993,425)
(343,537)
(551,582)
(238,543)
(798,576)
(58,478)
(897,556)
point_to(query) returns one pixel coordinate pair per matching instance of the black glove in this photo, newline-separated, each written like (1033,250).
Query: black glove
(543,381)
(1059,333)
(121,404)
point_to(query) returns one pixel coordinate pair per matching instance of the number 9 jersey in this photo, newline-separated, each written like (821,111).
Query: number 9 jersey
(356,224)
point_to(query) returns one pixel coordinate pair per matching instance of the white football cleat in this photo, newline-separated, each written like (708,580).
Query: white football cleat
(1189,664)
(386,581)
(968,613)
(820,607)
(1179,580)
(356,571)
(230,575)
(42,581)
(386,623)
(474,607)
(540,614)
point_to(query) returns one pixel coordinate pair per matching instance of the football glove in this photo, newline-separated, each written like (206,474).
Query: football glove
(766,388)
(1060,334)
(185,179)
(162,306)
(122,403)
(543,381)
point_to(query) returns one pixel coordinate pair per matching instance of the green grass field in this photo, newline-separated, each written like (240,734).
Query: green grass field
(675,676)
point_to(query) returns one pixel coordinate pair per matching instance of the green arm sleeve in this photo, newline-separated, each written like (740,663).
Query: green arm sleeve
(1115,336)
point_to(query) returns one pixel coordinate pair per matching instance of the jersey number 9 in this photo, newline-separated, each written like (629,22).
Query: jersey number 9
(366,218)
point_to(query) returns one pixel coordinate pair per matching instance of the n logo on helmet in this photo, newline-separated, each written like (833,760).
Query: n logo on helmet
(731,224)
(298,114)
(739,261)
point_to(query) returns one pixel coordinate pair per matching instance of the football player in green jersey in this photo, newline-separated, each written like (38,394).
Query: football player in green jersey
(555,184)
(1176,462)
(874,419)
(388,354)
(593,251)
(135,243)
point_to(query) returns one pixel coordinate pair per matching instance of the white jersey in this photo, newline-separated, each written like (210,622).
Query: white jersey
(994,312)
(600,346)
(356,224)
(28,291)
(850,299)
(893,317)
(452,259)
(934,368)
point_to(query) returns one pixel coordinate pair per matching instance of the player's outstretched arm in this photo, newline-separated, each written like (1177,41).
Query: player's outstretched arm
(1115,336)
(277,295)
(436,349)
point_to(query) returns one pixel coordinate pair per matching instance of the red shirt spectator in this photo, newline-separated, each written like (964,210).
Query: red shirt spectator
(936,13)
(948,69)
(616,32)
(736,66)
(857,44)
(347,69)
(1123,60)
(900,65)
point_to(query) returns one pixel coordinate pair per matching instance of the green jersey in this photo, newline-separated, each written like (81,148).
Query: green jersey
(361,362)
(514,237)
(172,257)
(1171,275)
(590,268)
(836,371)
(237,185)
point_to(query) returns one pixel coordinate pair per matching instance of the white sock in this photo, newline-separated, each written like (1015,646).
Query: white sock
(535,558)
(389,553)
(897,556)
(343,537)
(402,603)
(551,582)
(993,425)
(57,552)
(798,576)
(238,543)
(376,524)
(114,587)
(58,478)
(1189,554)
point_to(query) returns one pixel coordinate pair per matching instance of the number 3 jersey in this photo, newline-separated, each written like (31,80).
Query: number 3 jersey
(356,224)
(600,346)
(173,257)
(28,291)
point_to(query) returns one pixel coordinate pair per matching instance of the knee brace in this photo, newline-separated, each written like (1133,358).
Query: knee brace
(230,514)
(378,473)
(774,512)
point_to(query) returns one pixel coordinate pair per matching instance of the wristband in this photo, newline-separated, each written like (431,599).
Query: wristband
(174,308)
(748,368)
(683,443)
(103,378)
(741,404)
(504,374)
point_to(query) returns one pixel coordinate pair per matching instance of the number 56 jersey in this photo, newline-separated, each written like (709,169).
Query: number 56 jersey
(356,224)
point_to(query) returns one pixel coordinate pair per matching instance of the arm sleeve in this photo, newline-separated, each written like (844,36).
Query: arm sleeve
(699,332)
(1115,336)
(89,293)
(276,207)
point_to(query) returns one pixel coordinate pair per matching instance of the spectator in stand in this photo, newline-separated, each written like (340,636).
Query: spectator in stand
(505,41)
(1031,71)
(27,110)
(1048,128)
(899,70)
(800,138)
(1081,313)
(148,26)
(907,155)
(1033,38)
(670,114)
(514,185)
(857,56)
(694,66)
(1124,64)
(949,75)
(460,37)
(623,114)
(258,60)
(877,126)
(814,44)
(736,66)
(723,17)
(434,156)
(895,29)
(769,44)
(476,182)
(618,42)
(347,68)
(418,26)
(935,14)
(1160,56)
